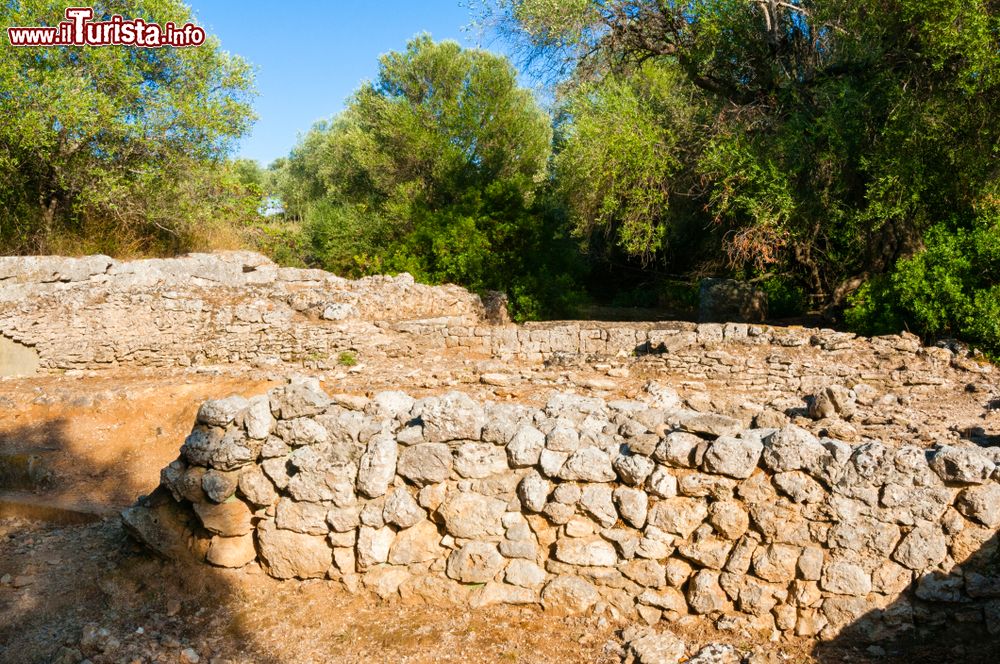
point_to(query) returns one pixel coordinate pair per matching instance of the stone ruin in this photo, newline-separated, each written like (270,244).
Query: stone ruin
(642,508)
(853,510)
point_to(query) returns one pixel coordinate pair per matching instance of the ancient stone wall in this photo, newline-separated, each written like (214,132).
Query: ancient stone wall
(240,309)
(237,307)
(640,508)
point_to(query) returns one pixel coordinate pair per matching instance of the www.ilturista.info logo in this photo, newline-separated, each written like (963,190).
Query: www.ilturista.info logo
(79,30)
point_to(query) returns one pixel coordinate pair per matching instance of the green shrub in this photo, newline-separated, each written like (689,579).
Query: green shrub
(950,288)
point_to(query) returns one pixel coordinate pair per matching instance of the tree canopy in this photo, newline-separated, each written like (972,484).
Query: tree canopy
(815,139)
(117,149)
(438,168)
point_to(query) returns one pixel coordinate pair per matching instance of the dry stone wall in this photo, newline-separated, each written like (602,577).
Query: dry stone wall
(236,307)
(638,508)
(241,309)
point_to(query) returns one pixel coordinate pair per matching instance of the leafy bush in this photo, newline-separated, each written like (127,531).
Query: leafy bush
(950,288)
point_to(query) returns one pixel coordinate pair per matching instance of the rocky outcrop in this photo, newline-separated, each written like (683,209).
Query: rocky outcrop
(638,505)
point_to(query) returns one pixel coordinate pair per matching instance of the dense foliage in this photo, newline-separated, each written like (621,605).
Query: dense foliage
(951,288)
(816,141)
(438,168)
(119,149)
(843,155)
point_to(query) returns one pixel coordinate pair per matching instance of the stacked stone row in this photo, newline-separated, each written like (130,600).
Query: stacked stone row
(633,507)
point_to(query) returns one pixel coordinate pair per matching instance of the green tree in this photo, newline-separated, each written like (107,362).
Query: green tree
(830,135)
(439,167)
(118,149)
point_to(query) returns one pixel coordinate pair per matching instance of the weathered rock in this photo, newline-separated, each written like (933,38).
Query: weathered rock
(344,519)
(287,555)
(706,551)
(475,562)
(793,448)
(391,404)
(843,578)
(633,469)
(587,552)
(799,487)
(301,431)
(832,401)
(633,505)
(667,599)
(201,444)
(502,593)
(234,451)
(232,551)
(729,519)
(480,460)
(308,518)
(533,490)
(427,463)
(569,595)
(160,523)
(373,546)
(681,450)
(734,457)
(647,573)
(298,400)
(662,483)
(810,565)
(552,462)
(525,447)
(938,587)
(401,509)
(221,412)
(471,515)
(981,503)
(704,593)
(923,547)
(562,438)
(218,485)
(378,466)
(257,420)
(254,485)
(864,534)
(419,544)
(588,465)
(962,465)
(679,516)
(597,500)
(776,562)
(657,648)
(229,519)
(453,416)
(709,424)
(716,653)
(525,573)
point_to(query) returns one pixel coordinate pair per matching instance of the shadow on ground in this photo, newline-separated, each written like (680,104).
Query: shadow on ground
(76,591)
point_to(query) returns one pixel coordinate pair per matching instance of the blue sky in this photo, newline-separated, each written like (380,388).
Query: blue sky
(310,56)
